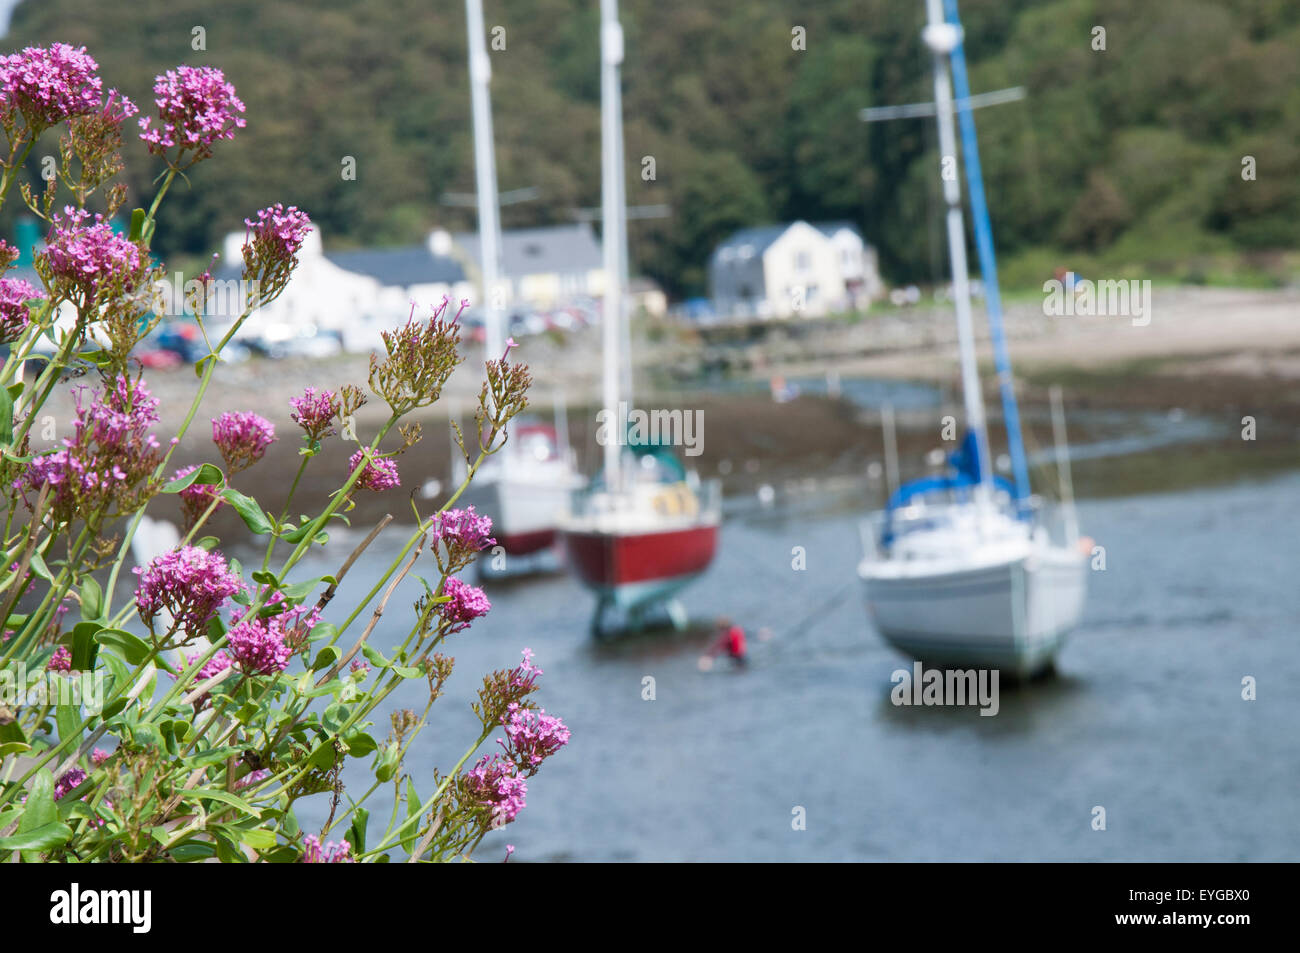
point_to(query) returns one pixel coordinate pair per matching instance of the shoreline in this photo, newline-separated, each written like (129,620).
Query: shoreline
(1194,363)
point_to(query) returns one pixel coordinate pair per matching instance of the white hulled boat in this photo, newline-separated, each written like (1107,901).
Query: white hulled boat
(961,569)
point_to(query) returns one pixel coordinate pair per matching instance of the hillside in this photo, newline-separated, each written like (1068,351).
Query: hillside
(1129,157)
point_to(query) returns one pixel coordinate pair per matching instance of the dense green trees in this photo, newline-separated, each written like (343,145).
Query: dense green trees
(1132,154)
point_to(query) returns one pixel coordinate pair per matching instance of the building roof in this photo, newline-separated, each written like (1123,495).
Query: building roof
(762,236)
(400,267)
(552,249)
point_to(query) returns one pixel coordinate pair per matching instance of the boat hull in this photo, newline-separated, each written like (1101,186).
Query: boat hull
(633,570)
(1013,615)
(525,515)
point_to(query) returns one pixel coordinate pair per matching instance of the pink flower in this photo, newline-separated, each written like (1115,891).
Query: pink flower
(48,85)
(109,459)
(80,258)
(258,648)
(380,473)
(61,661)
(99,756)
(14,314)
(278,233)
(495,782)
(532,736)
(197,497)
(330,853)
(242,439)
(212,667)
(467,603)
(190,583)
(196,109)
(253,777)
(463,531)
(314,412)
(68,782)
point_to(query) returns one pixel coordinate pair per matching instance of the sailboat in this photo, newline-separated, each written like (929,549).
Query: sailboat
(962,569)
(646,528)
(525,485)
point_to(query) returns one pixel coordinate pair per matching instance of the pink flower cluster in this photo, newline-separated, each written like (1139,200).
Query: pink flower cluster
(314,852)
(314,412)
(532,736)
(258,647)
(68,782)
(293,622)
(46,85)
(278,233)
(110,452)
(14,315)
(197,497)
(467,603)
(82,257)
(61,661)
(196,109)
(463,531)
(213,666)
(242,439)
(495,782)
(380,473)
(190,583)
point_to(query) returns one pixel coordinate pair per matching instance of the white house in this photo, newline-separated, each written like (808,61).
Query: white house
(352,295)
(796,268)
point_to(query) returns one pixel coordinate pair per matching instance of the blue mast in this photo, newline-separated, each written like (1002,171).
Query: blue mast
(988,262)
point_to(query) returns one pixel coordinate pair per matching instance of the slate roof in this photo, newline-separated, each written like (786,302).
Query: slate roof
(552,249)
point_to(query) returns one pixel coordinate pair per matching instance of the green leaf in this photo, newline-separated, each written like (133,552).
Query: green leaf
(37,840)
(6,417)
(68,718)
(192,851)
(137,225)
(13,747)
(208,542)
(206,475)
(85,649)
(335,717)
(407,672)
(210,757)
(131,647)
(92,599)
(412,808)
(248,511)
(38,813)
(360,744)
(324,658)
(300,590)
(225,797)
(39,569)
(329,688)
(386,765)
(356,834)
(259,838)
(373,656)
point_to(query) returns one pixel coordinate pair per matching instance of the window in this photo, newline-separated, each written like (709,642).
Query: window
(802,261)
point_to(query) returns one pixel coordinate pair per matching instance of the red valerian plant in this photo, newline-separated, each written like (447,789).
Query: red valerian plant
(267,689)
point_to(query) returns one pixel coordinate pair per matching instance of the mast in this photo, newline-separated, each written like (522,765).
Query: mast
(943,38)
(988,261)
(611,151)
(485,170)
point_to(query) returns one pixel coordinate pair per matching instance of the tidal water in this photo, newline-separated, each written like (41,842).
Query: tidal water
(1144,718)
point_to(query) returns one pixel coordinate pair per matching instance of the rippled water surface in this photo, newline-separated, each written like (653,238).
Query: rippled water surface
(1145,717)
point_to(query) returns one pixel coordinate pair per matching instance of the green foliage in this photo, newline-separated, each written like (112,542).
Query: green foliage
(744,129)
